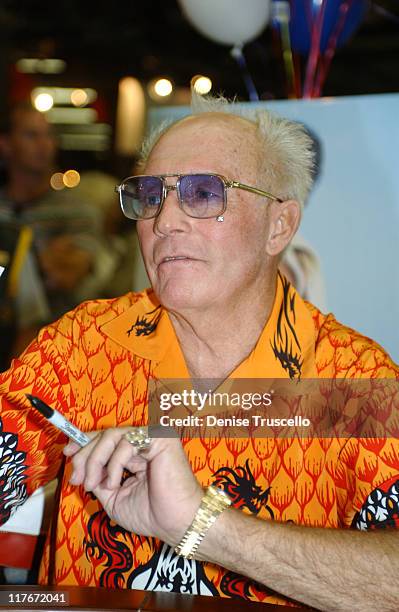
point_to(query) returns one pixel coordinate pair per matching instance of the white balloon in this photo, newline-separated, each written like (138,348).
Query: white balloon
(230,22)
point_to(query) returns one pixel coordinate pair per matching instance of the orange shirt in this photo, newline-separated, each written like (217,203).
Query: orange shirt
(95,364)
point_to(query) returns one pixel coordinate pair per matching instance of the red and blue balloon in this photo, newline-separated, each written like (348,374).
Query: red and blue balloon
(304,15)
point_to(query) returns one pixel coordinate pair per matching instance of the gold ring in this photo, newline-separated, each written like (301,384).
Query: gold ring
(138,437)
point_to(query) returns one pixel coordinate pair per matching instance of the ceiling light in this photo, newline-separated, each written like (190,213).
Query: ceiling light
(163,87)
(64,96)
(43,102)
(57,182)
(202,84)
(79,97)
(71,178)
(72,115)
(32,65)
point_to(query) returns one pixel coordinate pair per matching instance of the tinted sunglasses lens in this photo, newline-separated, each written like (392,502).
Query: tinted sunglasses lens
(202,195)
(141,197)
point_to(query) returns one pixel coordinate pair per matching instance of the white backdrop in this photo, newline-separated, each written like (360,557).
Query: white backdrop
(352,218)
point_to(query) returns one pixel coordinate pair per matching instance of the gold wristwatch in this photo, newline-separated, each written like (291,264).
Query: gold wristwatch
(213,503)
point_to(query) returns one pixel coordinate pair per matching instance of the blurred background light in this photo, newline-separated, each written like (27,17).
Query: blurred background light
(202,84)
(71,178)
(72,115)
(43,102)
(163,87)
(130,116)
(85,136)
(32,65)
(79,97)
(65,96)
(57,181)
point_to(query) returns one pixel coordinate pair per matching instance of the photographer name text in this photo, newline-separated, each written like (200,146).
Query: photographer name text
(254,420)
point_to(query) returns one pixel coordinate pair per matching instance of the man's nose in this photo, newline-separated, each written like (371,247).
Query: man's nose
(171,219)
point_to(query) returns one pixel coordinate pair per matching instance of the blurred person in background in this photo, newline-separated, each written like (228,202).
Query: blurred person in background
(69,260)
(98,187)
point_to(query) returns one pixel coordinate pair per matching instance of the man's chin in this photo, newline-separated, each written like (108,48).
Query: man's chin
(180,296)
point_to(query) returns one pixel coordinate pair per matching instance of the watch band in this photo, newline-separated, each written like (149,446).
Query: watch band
(213,503)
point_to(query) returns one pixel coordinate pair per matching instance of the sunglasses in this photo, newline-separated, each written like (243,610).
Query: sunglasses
(202,196)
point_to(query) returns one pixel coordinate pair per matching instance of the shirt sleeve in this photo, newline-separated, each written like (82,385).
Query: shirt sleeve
(30,446)
(367,474)
(368,483)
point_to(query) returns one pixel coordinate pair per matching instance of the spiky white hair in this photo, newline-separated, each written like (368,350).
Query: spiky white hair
(285,149)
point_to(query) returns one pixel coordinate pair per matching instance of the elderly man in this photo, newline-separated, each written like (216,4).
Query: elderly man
(218,201)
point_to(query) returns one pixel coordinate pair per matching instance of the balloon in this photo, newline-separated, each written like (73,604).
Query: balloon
(230,22)
(305,12)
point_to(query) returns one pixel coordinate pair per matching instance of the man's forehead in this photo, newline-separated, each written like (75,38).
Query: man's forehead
(209,132)
(221,124)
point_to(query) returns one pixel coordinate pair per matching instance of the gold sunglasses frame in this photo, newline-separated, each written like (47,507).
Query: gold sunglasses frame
(166,188)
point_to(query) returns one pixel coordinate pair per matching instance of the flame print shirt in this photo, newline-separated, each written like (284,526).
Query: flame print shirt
(94,365)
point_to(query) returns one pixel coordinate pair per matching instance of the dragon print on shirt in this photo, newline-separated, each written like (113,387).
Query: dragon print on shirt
(381,508)
(234,585)
(12,474)
(167,571)
(164,571)
(285,345)
(144,326)
(241,487)
(103,545)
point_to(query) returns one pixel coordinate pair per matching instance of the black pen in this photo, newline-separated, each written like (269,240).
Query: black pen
(59,421)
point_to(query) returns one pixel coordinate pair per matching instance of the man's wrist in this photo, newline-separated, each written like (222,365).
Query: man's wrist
(213,503)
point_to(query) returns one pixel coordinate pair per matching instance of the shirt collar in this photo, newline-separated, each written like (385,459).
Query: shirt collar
(286,346)
(144,328)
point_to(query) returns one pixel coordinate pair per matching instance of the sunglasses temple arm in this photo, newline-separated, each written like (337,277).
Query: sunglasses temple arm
(261,192)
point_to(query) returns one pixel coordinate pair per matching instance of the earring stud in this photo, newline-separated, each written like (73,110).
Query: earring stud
(220,218)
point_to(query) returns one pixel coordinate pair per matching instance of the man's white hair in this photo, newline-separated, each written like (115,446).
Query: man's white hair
(285,150)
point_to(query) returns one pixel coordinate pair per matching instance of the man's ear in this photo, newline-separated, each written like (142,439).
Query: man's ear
(283,223)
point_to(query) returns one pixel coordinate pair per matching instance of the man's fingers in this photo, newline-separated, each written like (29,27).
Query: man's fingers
(104,460)
(122,460)
(80,457)
(137,465)
(98,459)
(70,449)
(117,462)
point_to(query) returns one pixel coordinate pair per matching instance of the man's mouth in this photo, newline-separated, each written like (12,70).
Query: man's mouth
(174,258)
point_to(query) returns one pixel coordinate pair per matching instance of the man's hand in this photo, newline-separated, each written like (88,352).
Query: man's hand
(64,264)
(161,496)
(329,569)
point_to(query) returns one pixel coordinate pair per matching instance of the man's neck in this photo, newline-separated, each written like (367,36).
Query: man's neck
(216,341)
(25,186)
